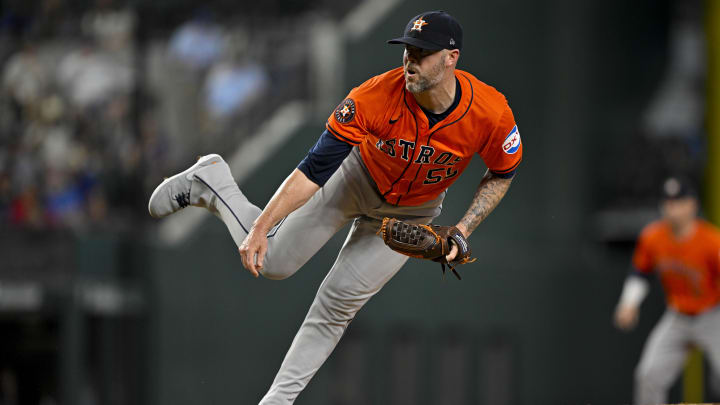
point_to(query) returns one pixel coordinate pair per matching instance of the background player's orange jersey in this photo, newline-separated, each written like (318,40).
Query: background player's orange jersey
(689,269)
(412,163)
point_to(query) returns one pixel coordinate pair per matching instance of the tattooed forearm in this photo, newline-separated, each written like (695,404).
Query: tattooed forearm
(489,193)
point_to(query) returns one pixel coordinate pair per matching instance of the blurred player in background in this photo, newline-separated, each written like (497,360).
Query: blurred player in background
(684,251)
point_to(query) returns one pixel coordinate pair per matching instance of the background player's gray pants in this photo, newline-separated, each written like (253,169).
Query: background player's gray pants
(666,350)
(363,265)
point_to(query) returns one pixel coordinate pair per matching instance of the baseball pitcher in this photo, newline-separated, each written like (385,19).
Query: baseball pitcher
(388,154)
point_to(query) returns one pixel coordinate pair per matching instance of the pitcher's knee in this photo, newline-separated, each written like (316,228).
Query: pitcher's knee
(275,273)
(278,265)
(339,306)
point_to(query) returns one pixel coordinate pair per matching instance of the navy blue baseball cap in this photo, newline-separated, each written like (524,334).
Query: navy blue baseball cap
(433,30)
(677,187)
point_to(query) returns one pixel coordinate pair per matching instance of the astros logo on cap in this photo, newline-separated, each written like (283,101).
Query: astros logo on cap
(418,24)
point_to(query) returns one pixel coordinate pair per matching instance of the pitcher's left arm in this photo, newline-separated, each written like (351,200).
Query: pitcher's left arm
(491,190)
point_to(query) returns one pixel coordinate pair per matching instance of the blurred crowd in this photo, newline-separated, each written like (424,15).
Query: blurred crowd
(64,117)
(95,108)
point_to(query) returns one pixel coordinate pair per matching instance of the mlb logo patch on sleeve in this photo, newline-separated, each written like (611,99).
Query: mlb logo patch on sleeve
(512,141)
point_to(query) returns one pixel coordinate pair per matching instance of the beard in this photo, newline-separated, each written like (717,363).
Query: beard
(426,81)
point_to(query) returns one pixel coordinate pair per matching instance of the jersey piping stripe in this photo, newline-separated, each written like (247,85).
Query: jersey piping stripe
(348,140)
(277,228)
(507,170)
(270,235)
(223,201)
(637,273)
(472,95)
(413,153)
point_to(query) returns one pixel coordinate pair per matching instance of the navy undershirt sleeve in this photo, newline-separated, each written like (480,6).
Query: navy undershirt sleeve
(638,273)
(508,175)
(324,158)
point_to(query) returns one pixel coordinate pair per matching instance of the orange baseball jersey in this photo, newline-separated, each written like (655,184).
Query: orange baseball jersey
(689,269)
(412,163)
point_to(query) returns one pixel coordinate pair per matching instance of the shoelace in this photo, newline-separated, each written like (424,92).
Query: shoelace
(183,199)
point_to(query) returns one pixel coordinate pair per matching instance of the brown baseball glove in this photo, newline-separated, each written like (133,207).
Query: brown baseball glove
(430,242)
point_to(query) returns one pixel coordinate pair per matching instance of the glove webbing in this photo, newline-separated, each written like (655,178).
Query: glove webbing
(412,233)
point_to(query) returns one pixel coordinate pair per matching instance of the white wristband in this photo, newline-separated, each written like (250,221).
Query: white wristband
(634,291)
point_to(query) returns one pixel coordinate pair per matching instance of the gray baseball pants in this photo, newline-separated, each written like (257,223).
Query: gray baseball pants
(666,350)
(362,267)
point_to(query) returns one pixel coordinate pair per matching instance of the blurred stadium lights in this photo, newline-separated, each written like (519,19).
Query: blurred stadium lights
(108,299)
(20,296)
